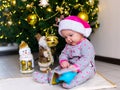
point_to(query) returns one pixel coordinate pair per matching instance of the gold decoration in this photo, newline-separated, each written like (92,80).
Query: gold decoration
(7,14)
(13,2)
(32,19)
(49,9)
(26,65)
(19,22)
(29,6)
(76,0)
(83,16)
(77,6)
(9,23)
(59,9)
(95,11)
(2,36)
(66,12)
(52,40)
(91,2)
(23,65)
(96,25)
(29,64)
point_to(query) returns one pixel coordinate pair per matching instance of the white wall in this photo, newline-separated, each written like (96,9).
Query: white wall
(106,39)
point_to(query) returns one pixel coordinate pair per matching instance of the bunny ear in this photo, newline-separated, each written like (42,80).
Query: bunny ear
(38,36)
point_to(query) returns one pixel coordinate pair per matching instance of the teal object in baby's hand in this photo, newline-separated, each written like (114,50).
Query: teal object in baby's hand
(66,77)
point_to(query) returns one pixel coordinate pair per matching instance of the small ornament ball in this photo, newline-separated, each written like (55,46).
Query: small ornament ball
(83,16)
(49,9)
(52,40)
(32,19)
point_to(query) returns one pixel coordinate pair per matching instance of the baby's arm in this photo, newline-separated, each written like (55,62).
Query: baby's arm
(63,58)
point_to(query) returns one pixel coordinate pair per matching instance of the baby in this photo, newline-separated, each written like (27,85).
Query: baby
(78,54)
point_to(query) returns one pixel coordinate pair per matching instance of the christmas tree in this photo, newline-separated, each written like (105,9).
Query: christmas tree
(22,19)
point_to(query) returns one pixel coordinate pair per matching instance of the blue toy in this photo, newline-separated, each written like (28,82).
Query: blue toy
(66,77)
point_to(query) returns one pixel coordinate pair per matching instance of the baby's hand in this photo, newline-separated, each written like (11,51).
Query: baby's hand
(65,64)
(73,67)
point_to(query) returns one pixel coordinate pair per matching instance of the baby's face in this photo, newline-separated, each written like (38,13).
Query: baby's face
(71,37)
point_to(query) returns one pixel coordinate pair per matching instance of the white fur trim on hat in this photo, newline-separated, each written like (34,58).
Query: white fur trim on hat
(74,26)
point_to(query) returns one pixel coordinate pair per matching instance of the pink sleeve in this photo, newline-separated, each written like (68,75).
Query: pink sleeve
(60,61)
(78,70)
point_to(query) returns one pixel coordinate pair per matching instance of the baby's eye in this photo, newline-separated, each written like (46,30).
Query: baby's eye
(65,37)
(71,35)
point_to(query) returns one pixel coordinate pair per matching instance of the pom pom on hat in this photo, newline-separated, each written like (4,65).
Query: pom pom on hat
(74,23)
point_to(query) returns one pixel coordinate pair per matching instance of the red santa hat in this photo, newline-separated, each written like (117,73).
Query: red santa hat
(75,23)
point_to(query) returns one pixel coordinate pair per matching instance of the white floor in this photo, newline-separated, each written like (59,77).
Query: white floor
(9,68)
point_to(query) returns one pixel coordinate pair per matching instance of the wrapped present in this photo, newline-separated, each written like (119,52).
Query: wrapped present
(63,75)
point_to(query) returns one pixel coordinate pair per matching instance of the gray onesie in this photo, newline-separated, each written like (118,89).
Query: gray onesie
(82,55)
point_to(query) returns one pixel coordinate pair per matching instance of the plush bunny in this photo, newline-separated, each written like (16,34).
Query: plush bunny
(45,55)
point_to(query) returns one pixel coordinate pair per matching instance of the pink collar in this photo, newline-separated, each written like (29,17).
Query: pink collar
(81,41)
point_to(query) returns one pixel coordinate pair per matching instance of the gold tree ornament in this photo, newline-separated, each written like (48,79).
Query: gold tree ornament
(29,6)
(77,6)
(59,9)
(83,16)
(66,12)
(13,2)
(32,19)
(19,22)
(95,11)
(97,25)
(91,2)
(2,36)
(52,40)
(9,23)
(49,9)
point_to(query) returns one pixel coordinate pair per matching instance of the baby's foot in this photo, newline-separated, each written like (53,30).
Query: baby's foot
(40,77)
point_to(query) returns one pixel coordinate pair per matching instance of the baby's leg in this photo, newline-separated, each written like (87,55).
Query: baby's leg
(80,78)
(40,77)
